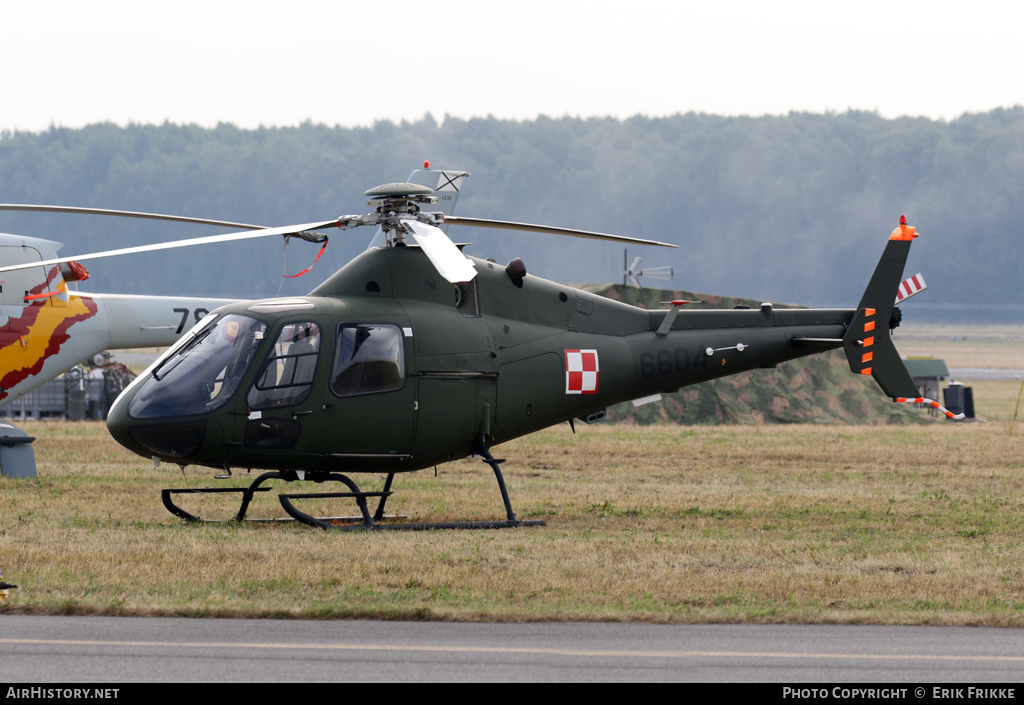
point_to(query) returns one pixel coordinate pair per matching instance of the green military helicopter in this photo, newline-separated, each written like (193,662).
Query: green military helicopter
(414,354)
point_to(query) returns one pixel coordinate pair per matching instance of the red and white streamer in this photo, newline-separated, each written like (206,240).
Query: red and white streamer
(930,402)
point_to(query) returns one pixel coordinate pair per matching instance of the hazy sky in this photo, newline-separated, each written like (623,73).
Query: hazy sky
(72,63)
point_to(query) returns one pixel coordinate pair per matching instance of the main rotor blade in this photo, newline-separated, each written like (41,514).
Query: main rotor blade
(442,252)
(508,225)
(212,239)
(126,214)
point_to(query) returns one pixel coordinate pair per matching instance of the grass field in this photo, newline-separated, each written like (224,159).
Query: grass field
(964,345)
(793,523)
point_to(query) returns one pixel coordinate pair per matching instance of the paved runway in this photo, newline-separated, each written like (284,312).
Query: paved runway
(92,650)
(969,373)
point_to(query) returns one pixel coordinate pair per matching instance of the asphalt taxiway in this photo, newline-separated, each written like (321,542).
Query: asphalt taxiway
(45,649)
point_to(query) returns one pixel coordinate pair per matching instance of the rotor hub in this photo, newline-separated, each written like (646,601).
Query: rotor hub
(399,190)
(398,200)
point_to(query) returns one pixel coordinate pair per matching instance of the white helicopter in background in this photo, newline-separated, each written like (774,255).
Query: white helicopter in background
(46,329)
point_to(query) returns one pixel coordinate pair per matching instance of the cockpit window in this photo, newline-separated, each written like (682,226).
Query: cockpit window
(202,372)
(368,358)
(287,375)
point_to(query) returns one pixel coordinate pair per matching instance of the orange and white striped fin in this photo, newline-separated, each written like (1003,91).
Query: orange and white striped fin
(930,402)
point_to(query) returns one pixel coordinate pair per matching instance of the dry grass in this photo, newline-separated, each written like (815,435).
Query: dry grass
(802,523)
(782,524)
(961,345)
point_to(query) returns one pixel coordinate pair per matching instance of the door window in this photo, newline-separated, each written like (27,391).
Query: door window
(369,358)
(287,375)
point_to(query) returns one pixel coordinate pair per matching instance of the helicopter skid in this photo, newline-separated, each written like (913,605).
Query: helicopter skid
(269,520)
(174,509)
(431,526)
(363,522)
(366,523)
(249,492)
(165,496)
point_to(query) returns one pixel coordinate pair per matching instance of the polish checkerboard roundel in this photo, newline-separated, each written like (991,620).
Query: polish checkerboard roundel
(581,371)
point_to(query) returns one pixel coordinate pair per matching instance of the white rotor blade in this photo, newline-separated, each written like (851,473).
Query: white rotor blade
(228,237)
(509,225)
(442,252)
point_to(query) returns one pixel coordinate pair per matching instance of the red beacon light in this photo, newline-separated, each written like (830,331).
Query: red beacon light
(903,231)
(426,165)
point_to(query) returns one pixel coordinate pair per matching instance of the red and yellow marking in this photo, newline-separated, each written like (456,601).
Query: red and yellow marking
(26,342)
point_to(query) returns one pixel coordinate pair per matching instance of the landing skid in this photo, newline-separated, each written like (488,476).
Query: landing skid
(364,522)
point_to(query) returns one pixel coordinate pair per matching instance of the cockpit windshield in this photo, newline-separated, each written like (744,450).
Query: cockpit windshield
(203,372)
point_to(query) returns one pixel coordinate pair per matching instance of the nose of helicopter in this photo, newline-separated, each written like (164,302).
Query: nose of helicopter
(118,423)
(168,438)
(171,409)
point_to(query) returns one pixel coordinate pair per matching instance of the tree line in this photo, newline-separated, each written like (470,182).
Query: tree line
(789,209)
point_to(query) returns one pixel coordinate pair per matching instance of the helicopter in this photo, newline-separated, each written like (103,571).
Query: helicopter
(414,354)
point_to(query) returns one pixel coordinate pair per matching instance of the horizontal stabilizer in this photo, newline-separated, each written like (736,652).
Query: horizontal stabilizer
(870,351)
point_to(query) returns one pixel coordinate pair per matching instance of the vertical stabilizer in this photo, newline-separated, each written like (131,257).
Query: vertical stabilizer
(446,184)
(868,342)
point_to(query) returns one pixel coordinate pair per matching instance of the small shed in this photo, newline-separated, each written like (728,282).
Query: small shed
(928,374)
